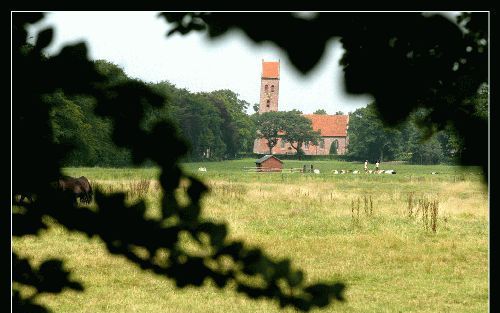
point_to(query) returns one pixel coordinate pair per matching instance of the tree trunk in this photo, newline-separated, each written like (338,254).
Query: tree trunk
(299,143)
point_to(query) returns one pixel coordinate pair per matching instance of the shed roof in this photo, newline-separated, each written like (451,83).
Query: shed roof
(266,157)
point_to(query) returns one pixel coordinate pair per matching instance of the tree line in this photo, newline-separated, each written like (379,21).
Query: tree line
(217,127)
(415,140)
(215,124)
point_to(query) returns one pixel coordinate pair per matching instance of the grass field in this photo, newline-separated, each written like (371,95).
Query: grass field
(351,228)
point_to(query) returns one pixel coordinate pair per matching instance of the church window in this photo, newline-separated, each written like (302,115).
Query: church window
(272,88)
(266,87)
(268,103)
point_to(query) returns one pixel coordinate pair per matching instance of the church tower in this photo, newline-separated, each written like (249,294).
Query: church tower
(269,86)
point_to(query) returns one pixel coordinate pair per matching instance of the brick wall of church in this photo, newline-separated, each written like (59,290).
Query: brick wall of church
(260,146)
(270,95)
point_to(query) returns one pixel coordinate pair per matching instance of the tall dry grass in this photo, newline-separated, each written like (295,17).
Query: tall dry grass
(401,244)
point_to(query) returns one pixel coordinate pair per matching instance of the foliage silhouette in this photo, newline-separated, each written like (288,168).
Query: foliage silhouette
(123,228)
(405,60)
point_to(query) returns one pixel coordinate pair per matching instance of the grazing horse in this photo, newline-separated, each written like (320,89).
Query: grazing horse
(79,187)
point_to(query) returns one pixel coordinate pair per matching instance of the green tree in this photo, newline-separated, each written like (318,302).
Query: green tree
(339,113)
(270,126)
(297,130)
(201,124)
(75,124)
(202,119)
(214,123)
(369,138)
(320,112)
(71,128)
(242,126)
(428,152)
(477,108)
(406,143)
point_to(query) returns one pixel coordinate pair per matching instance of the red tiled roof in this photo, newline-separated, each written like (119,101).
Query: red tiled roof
(271,69)
(329,125)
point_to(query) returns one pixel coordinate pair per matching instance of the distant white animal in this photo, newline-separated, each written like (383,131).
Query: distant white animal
(390,172)
(202,169)
(342,171)
(355,172)
(335,172)
(434,173)
(316,171)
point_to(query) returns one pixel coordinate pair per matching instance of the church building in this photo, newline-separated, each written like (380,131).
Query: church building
(333,128)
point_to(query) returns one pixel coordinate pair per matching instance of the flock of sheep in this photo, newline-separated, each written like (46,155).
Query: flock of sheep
(317,171)
(367,172)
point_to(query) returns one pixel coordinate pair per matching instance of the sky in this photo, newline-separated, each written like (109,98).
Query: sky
(137,42)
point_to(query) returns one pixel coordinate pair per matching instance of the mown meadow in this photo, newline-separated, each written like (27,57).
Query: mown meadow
(409,242)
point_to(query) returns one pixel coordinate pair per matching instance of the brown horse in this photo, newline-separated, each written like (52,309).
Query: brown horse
(79,187)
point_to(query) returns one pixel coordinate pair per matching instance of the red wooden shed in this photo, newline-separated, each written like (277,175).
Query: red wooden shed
(269,163)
